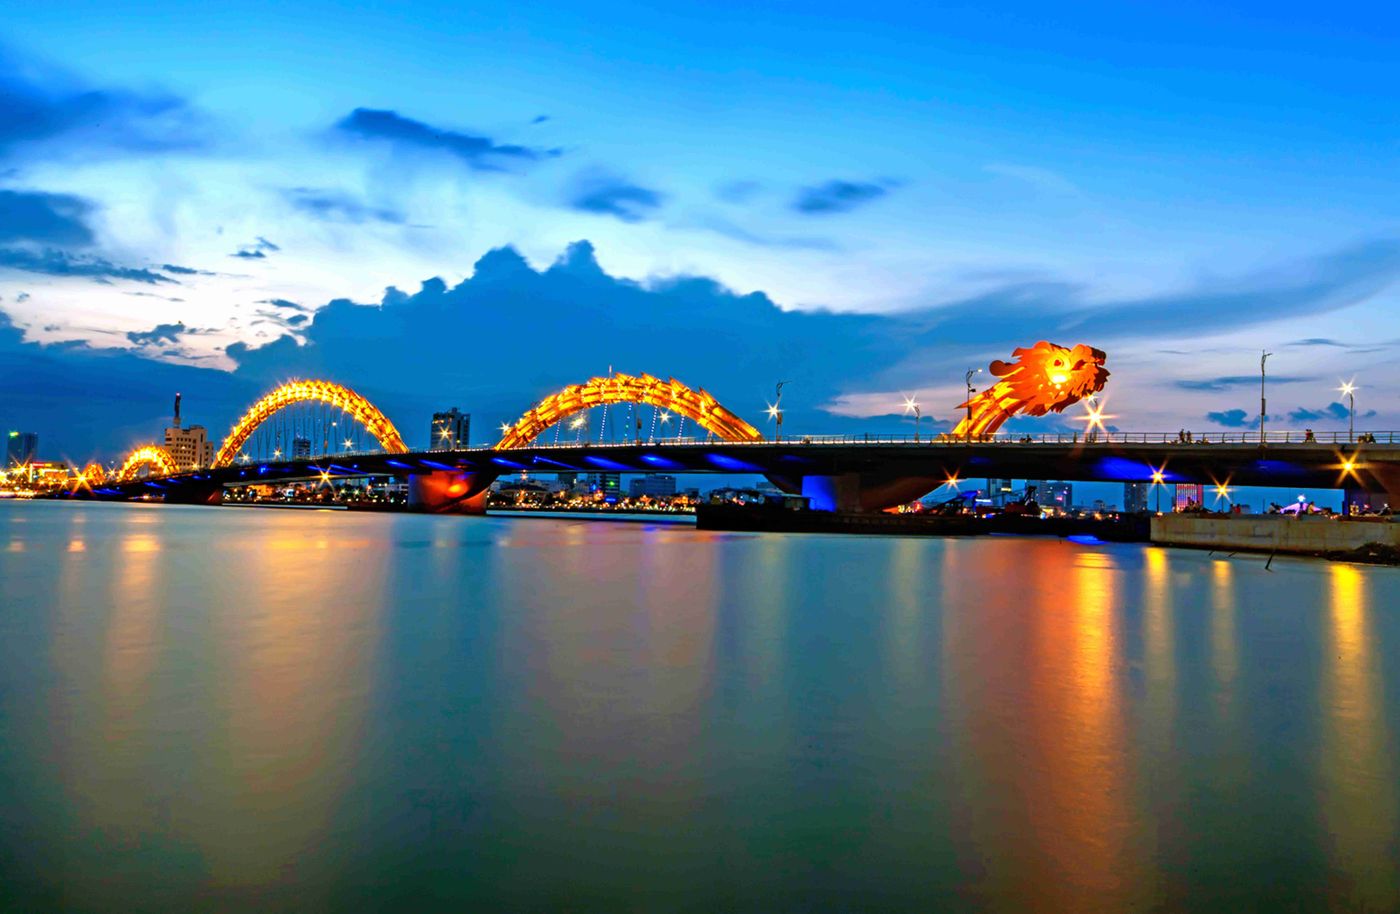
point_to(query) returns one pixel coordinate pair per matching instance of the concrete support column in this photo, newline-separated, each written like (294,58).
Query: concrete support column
(447,492)
(1384,488)
(187,494)
(833,493)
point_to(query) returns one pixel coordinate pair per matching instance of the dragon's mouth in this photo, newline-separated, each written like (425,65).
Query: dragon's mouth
(1059,378)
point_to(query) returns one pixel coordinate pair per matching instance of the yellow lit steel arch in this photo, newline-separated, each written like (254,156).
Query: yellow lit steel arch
(94,474)
(328,392)
(150,455)
(696,405)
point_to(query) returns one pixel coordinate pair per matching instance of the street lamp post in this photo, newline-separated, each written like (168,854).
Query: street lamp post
(1263,404)
(775,412)
(1349,388)
(967,380)
(910,405)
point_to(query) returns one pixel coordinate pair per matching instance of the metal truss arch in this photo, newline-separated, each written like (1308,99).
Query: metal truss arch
(149,455)
(696,405)
(328,392)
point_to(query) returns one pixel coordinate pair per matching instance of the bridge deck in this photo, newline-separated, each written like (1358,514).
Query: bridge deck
(1289,463)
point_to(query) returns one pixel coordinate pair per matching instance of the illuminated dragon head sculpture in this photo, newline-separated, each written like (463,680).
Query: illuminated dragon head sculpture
(1044,378)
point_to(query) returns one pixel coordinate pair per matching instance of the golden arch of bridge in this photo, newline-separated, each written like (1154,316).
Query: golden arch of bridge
(696,405)
(327,392)
(149,455)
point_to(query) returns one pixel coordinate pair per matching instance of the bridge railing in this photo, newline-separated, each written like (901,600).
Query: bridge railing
(1183,438)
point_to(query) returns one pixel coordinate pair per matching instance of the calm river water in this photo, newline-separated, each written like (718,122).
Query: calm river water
(229,709)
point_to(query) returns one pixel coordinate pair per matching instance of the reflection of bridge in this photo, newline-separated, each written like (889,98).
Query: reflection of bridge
(846,473)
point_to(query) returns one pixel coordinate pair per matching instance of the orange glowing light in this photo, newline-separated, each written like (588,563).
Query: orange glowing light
(1094,416)
(672,396)
(158,460)
(334,395)
(1044,378)
(94,474)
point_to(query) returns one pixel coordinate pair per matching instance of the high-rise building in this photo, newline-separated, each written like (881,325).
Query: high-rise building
(1058,495)
(652,485)
(301,448)
(998,491)
(1135,496)
(21,448)
(610,484)
(451,430)
(188,447)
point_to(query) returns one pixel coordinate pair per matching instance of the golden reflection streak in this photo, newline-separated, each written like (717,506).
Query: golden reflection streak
(639,636)
(103,736)
(1035,674)
(295,630)
(1224,649)
(1158,637)
(1359,792)
(904,646)
(129,654)
(1086,817)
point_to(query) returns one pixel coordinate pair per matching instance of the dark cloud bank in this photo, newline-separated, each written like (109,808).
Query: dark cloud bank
(45,111)
(478,152)
(498,341)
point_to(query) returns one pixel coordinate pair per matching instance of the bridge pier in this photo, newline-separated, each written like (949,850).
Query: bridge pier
(448,492)
(833,493)
(854,492)
(1376,497)
(195,495)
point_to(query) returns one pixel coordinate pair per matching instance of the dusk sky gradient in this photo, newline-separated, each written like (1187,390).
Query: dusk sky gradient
(864,199)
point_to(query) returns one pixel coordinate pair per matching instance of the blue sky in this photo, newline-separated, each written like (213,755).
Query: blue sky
(1180,186)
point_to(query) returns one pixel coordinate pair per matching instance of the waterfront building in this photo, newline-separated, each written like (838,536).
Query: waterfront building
(301,448)
(610,484)
(1057,495)
(1135,496)
(998,491)
(451,430)
(21,448)
(188,447)
(652,485)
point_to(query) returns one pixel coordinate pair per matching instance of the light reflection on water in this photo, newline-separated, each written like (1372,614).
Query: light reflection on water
(302,711)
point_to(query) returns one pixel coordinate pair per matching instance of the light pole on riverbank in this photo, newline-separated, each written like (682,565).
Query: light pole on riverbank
(775,411)
(967,380)
(1263,406)
(1349,388)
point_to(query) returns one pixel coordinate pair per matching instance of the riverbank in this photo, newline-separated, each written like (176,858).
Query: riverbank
(1374,540)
